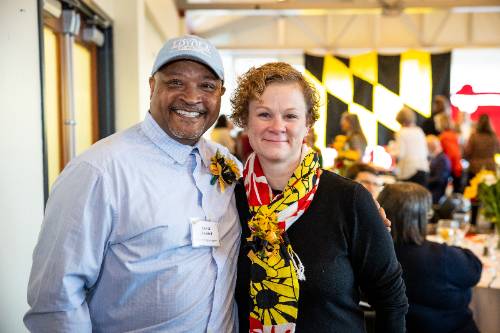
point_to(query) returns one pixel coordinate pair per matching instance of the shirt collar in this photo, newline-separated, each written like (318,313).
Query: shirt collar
(177,151)
(205,152)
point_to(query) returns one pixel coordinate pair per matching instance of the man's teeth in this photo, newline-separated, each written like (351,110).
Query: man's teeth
(188,114)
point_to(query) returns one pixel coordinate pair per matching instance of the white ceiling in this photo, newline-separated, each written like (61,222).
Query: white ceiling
(344,24)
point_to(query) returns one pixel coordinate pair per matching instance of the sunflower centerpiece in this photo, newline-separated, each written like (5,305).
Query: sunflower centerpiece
(484,188)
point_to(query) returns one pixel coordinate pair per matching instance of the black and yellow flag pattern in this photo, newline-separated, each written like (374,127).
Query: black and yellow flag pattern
(375,87)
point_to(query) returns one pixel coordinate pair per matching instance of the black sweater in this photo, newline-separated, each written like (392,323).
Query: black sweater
(439,280)
(344,246)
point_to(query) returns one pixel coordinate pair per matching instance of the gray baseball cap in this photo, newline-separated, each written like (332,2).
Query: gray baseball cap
(190,48)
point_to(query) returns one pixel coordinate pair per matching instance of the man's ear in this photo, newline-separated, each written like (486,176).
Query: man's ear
(151,86)
(222,90)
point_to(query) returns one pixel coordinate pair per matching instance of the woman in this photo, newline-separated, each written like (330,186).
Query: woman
(349,123)
(480,151)
(311,239)
(412,164)
(310,140)
(481,147)
(451,147)
(438,277)
(222,133)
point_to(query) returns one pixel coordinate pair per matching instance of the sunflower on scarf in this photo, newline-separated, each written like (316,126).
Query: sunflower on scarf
(276,269)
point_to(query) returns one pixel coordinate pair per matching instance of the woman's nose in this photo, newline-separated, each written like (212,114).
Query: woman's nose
(278,124)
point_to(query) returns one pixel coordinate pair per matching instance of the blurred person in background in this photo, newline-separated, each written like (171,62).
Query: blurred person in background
(439,169)
(356,140)
(440,106)
(411,149)
(310,140)
(480,151)
(449,139)
(439,278)
(481,147)
(242,146)
(221,133)
(367,176)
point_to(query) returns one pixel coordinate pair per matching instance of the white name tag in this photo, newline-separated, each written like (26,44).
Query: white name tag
(204,233)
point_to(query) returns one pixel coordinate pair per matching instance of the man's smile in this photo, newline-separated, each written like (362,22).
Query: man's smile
(187,114)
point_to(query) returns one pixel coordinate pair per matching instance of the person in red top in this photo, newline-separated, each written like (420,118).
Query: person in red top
(451,148)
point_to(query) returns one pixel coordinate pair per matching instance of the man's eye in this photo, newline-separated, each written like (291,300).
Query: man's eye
(174,83)
(208,86)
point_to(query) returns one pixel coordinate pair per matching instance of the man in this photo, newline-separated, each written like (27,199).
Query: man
(129,240)
(439,168)
(367,176)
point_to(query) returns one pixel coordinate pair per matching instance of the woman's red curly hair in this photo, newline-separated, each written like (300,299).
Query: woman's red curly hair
(252,84)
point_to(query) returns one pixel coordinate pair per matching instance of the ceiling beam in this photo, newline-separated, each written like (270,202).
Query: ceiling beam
(381,49)
(439,29)
(332,5)
(233,27)
(343,31)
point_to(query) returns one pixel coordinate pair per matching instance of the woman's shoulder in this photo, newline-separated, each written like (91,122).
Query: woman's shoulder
(330,178)
(440,252)
(338,189)
(454,253)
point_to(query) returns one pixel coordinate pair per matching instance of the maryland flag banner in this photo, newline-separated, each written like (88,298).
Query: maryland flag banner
(375,87)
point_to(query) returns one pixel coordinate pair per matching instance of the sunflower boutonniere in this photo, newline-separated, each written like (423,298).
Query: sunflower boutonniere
(223,169)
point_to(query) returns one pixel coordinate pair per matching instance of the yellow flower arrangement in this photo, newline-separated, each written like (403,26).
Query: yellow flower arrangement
(345,156)
(266,228)
(485,188)
(339,142)
(223,170)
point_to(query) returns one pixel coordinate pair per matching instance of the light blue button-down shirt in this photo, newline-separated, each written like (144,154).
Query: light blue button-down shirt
(114,253)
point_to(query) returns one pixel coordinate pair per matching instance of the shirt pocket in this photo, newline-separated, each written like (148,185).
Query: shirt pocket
(151,244)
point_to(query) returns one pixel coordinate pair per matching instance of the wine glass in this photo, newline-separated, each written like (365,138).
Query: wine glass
(446,230)
(463,226)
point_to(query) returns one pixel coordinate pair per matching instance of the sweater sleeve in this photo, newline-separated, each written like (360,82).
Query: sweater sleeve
(375,264)
(463,268)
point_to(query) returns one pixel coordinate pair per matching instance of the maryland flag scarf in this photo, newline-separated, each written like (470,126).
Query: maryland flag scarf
(276,269)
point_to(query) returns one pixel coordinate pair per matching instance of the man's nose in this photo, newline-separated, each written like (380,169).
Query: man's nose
(191,95)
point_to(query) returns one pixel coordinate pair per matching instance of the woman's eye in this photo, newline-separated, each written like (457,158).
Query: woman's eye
(291,116)
(264,115)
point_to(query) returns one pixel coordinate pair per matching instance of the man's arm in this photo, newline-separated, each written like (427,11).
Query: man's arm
(69,252)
